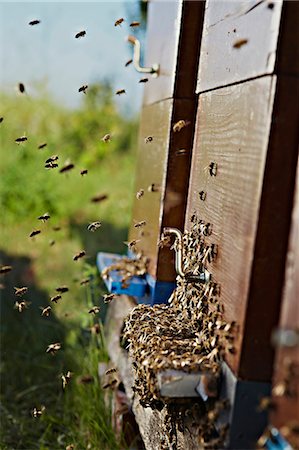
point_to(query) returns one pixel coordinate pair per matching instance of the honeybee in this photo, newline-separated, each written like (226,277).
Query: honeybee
(94,310)
(62,289)
(143,80)
(1,119)
(21,88)
(79,255)
(181,151)
(132,243)
(20,291)
(34,22)
(56,228)
(94,226)
(85,281)
(178,126)
(85,379)
(95,329)
(43,145)
(44,217)
(80,34)
(99,198)
(164,241)
(51,242)
(52,158)
(46,311)
(53,348)
(83,88)
(212,169)
(5,269)
(154,188)
(51,165)
(239,43)
(118,22)
(148,139)
(38,412)
(21,306)
(108,298)
(266,403)
(202,195)
(66,167)
(21,139)
(84,172)
(142,223)
(106,138)
(112,384)
(134,24)
(120,92)
(112,370)
(55,298)
(34,233)
(66,379)
(139,194)
(70,447)
(128,62)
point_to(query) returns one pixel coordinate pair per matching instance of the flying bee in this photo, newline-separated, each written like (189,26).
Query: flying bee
(21,88)
(85,379)
(79,255)
(20,291)
(112,384)
(134,24)
(178,126)
(70,447)
(5,269)
(148,139)
(83,88)
(180,152)
(34,22)
(128,62)
(120,91)
(44,217)
(38,412)
(118,22)
(94,226)
(106,138)
(99,198)
(143,80)
(94,310)
(80,34)
(34,233)
(212,169)
(266,404)
(62,289)
(51,242)
(112,370)
(239,43)
(132,243)
(65,379)
(83,172)
(21,306)
(202,195)
(1,119)
(66,167)
(85,281)
(55,298)
(51,165)
(46,311)
(142,223)
(154,188)
(108,298)
(21,139)
(52,158)
(164,241)
(53,348)
(139,194)
(56,228)
(43,145)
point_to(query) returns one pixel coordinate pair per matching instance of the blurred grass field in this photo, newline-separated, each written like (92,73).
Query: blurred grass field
(29,376)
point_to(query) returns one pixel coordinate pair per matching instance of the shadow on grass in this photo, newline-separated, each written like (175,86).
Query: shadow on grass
(29,376)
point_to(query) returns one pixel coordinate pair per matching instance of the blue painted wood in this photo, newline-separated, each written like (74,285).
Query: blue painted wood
(277,442)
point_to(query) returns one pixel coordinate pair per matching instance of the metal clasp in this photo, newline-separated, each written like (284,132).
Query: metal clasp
(154,70)
(203,277)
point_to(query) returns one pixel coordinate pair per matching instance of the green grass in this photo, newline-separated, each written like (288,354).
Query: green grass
(29,376)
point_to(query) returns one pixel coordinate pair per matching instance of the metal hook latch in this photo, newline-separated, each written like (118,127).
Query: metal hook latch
(203,277)
(154,70)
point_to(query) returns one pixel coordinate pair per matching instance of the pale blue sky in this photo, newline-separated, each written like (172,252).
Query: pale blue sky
(49,52)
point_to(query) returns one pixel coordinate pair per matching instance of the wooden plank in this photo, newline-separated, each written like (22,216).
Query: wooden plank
(159,163)
(175,47)
(287,407)
(233,128)
(240,41)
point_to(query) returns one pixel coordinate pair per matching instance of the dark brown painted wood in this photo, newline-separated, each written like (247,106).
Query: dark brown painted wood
(287,408)
(226,25)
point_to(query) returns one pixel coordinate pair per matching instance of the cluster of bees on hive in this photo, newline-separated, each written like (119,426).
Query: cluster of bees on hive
(190,334)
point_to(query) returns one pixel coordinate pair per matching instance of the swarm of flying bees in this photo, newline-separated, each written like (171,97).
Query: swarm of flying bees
(127,268)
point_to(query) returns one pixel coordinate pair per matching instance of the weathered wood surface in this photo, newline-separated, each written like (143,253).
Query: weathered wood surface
(239,41)
(248,204)
(173,37)
(287,409)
